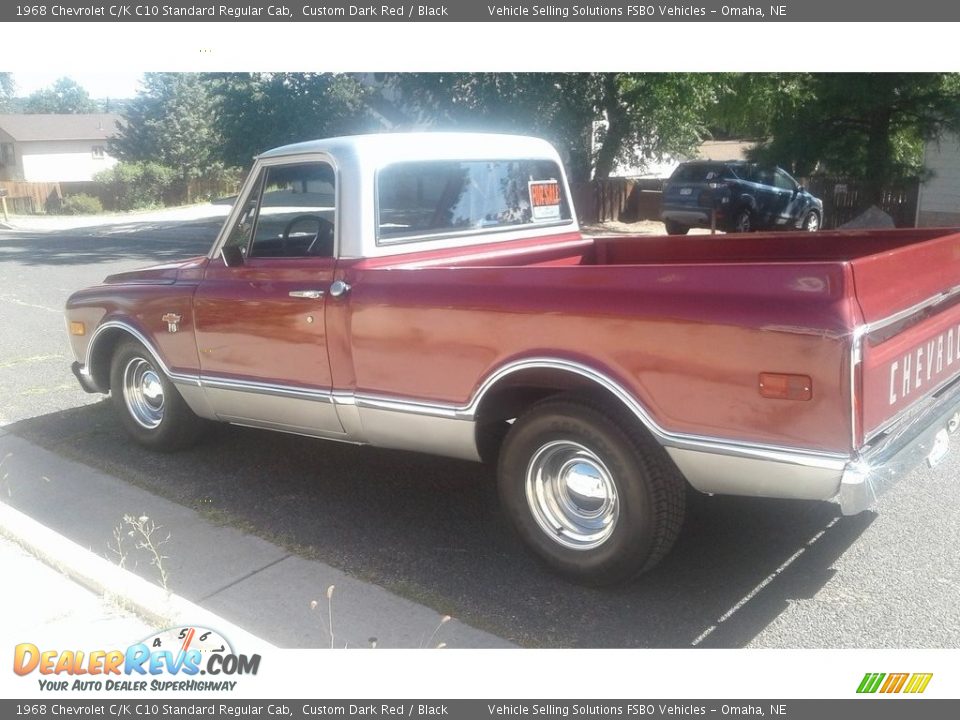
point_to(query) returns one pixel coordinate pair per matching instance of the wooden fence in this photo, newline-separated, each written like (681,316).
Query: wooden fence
(28,198)
(845,199)
(617,199)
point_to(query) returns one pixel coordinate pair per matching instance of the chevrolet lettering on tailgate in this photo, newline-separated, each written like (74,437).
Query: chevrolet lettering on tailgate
(433,293)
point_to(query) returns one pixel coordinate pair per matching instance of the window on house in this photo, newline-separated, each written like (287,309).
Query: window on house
(6,154)
(99,152)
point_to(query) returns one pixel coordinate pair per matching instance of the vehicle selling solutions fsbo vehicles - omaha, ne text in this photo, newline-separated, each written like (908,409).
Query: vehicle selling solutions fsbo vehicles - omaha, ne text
(432,292)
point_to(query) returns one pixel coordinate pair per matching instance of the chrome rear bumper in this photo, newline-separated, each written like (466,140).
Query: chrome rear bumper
(898,452)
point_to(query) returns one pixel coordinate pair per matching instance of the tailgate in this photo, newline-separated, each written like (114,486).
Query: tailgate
(910,299)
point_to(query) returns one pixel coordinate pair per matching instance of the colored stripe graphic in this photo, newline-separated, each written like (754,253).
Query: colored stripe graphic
(918,683)
(871,682)
(894,683)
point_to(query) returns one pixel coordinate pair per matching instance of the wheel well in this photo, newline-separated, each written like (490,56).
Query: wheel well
(514,394)
(102,354)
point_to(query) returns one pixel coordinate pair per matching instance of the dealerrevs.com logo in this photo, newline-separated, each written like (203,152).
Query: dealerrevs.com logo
(170,660)
(912,683)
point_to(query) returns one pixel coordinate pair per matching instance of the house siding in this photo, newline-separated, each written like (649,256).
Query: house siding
(939,203)
(62,160)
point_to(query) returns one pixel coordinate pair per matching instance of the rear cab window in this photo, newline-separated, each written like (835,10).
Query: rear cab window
(419,199)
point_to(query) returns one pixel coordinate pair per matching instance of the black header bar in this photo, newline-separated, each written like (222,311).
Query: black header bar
(482,11)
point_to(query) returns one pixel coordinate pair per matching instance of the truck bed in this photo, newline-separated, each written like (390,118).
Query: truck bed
(689,322)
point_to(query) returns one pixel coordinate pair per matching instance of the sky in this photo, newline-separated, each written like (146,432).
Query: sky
(114,84)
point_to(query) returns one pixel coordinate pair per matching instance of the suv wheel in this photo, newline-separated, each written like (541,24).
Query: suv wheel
(811,221)
(743,221)
(675,228)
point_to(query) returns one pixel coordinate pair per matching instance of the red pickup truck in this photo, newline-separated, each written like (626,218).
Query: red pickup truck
(432,292)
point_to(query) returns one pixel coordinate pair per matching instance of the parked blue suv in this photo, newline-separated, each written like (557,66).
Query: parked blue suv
(744,196)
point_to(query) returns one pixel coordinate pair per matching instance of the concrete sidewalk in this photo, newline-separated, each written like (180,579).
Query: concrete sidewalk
(259,586)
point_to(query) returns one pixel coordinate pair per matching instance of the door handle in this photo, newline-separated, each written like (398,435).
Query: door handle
(312,294)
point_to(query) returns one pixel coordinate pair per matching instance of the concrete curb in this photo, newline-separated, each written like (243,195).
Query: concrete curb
(63,510)
(152,603)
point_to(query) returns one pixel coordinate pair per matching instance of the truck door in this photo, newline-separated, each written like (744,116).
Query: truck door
(259,319)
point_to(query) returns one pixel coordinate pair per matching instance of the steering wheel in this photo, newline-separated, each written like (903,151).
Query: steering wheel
(321,244)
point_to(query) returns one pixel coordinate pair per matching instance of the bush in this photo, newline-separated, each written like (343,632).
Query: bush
(81,204)
(136,185)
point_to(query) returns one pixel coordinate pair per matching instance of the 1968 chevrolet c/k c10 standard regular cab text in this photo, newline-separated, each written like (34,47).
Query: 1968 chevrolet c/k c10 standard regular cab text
(432,292)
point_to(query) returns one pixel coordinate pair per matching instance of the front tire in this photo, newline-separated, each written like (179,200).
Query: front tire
(148,404)
(591,494)
(811,221)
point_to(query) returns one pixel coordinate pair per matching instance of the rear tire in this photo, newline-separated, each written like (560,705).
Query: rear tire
(148,404)
(743,221)
(588,491)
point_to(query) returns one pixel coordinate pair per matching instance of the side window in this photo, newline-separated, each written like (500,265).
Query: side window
(289,213)
(784,181)
(763,175)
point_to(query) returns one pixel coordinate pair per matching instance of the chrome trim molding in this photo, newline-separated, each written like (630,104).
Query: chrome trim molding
(445,436)
(933,301)
(356,409)
(856,358)
(667,438)
(185,378)
(262,388)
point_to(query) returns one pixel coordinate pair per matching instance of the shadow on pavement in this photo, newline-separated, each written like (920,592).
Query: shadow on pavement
(430,529)
(151,241)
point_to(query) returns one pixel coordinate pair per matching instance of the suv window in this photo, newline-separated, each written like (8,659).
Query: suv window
(440,197)
(784,181)
(702,173)
(290,212)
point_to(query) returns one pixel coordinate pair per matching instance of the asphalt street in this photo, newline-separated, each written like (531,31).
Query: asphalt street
(745,572)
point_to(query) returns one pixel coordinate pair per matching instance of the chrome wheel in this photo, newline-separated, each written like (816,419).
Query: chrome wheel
(143,393)
(812,223)
(571,495)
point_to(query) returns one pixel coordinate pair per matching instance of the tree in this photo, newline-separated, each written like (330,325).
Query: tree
(651,115)
(556,106)
(172,121)
(647,114)
(870,126)
(258,111)
(65,96)
(7,88)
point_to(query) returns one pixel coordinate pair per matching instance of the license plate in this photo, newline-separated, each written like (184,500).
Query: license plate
(686,191)
(941,443)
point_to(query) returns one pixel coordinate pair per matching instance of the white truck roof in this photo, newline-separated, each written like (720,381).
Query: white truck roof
(358,158)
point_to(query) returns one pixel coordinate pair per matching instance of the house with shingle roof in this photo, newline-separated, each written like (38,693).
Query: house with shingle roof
(55,148)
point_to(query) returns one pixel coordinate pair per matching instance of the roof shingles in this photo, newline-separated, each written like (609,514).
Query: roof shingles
(33,127)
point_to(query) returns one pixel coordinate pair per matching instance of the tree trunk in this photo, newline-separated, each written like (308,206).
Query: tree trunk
(879,157)
(618,126)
